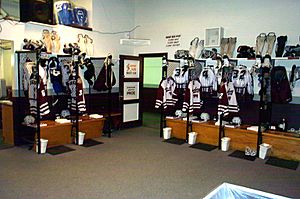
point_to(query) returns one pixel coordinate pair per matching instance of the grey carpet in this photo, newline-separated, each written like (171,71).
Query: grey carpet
(135,164)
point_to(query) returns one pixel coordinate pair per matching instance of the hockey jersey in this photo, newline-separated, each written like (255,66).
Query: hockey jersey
(37,96)
(192,98)
(242,82)
(75,90)
(280,86)
(208,82)
(55,74)
(181,77)
(166,94)
(227,100)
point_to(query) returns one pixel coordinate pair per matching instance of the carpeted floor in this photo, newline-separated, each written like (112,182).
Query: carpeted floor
(135,164)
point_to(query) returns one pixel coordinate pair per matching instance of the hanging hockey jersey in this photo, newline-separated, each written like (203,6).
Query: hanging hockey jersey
(37,96)
(280,86)
(74,94)
(181,77)
(227,100)
(166,96)
(192,97)
(208,83)
(242,82)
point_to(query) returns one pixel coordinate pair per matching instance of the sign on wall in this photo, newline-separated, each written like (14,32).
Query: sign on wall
(131,69)
(131,90)
(173,40)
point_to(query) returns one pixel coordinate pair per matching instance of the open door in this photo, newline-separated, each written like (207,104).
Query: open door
(131,85)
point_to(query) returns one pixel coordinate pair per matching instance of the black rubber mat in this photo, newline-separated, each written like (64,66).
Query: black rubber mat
(241,155)
(91,142)
(175,141)
(204,147)
(59,150)
(287,164)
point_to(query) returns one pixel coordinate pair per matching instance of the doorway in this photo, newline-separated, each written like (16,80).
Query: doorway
(6,79)
(152,67)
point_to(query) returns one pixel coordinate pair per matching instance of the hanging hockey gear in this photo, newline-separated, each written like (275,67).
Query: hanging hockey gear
(166,94)
(179,54)
(55,74)
(242,82)
(63,12)
(47,40)
(208,83)
(27,45)
(81,43)
(89,45)
(199,49)
(292,51)
(89,74)
(281,41)
(224,46)
(192,99)
(55,42)
(193,47)
(80,16)
(227,100)
(245,52)
(280,87)
(72,85)
(106,78)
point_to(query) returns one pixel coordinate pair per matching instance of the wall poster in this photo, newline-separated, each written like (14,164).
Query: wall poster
(131,68)
(131,90)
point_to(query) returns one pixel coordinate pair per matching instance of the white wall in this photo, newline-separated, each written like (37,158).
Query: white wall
(108,16)
(240,18)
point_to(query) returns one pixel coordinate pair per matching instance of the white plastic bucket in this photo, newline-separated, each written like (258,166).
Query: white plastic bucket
(264,150)
(225,143)
(80,138)
(192,137)
(167,132)
(44,143)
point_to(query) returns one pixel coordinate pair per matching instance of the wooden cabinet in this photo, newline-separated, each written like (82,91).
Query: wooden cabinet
(178,128)
(284,145)
(93,128)
(56,134)
(8,124)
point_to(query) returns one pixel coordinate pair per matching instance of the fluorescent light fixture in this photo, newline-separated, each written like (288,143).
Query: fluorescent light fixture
(135,42)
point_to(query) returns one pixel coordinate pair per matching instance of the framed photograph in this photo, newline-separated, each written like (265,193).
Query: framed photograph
(131,90)
(213,37)
(131,68)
